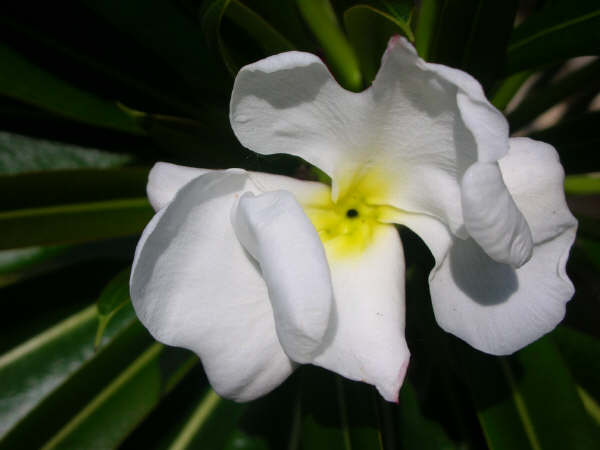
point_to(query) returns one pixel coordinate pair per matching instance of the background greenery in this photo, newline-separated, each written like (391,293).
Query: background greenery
(92,92)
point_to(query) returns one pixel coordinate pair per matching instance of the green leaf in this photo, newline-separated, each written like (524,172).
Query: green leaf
(40,367)
(20,154)
(427,17)
(73,223)
(337,413)
(26,82)
(576,155)
(582,353)
(485,49)
(369,31)
(562,29)
(414,429)
(175,40)
(269,39)
(473,35)
(519,402)
(212,16)
(507,89)
(109,417)
(114,297)
(321,18)
(20,263)
(542,99)
(37,189)
(210,424)
(583,184)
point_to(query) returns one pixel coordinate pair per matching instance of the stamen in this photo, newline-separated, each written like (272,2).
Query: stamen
(351,213)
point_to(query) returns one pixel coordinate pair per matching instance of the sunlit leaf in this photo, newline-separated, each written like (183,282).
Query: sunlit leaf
(108,418)
(52,364)
(114,297)
(583,184)
(24,154)
(427,16)
(321,18)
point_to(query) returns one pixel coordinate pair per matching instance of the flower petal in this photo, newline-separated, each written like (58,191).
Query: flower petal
(535,179)
(290,103)
(278,234)
(366,341)
(194,286)
(166,179)
(492,218)
(495,307)
(416,130)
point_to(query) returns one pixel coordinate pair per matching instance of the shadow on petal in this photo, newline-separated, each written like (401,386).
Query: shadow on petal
(268,86)
(481,278)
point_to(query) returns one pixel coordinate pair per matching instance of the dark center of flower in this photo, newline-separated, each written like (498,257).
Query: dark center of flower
(351,213)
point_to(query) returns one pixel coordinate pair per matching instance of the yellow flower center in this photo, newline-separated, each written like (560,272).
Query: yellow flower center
(348,226)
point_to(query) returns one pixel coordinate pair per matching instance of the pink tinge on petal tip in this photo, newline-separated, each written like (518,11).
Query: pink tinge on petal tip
(400,379)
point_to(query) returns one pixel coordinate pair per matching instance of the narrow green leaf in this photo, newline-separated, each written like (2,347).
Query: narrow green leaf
(58,187)
(116,411)
(590,404)
(576,155)
(538,101)
(338,414)
(427,16)
(414,429)
(114,297)
(174,38)
(507,89)
(34,370)
(211,424)
(485,49)
(369,31)
(18,264)
(21,80)
(521,398)
(73,223)
(473,35)
(270,40)
(321,18)
(561,30)
(20,154)
(583,184)
(581,351)
(212,16)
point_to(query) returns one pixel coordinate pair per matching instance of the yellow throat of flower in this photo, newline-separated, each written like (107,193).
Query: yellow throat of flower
(348,226)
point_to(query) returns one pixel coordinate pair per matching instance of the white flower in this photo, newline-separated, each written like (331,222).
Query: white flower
(257,273)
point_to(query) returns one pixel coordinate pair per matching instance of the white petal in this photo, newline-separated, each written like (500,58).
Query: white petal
(166,179)
(492,218)
(418,128)
(277,233)
(290,103)
(535,178)
(496,308)
(194,286)
(366,341)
